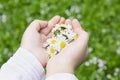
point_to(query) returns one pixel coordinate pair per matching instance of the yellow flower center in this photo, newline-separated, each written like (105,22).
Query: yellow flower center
(76,36)
(53,41)
(52,51)
(62,44)
(63,25)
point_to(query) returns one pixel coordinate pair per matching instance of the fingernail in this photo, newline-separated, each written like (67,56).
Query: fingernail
(67,21)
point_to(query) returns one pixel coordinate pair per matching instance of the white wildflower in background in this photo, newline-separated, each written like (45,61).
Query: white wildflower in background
(79,16)
(118,36)
(105,67)
(42,12)
(10,54)
(115,74)
(118,51)
(94,60)
(87,63)
(108,76)
(16,1)
(118,43)
(67,12)
(5,51)
(1,6)
(3,18)
(97,76)
(74,9)
(117,71)
(29,19)
(100,63)
(103,30)
(90,50)
(44,9)
(62,36)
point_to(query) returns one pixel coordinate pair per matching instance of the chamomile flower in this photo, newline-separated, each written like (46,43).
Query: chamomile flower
(51,51)
(62,36)
(52,41)
(62,44)
(75,36)
(62,25)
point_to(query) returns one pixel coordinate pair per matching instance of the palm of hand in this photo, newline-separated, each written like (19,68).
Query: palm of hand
(72,55)
(34,36)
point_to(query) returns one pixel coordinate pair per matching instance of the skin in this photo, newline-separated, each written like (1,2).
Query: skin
(34,36)
(72,55)
(69,58)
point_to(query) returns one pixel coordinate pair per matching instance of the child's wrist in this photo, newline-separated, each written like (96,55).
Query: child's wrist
(60,70)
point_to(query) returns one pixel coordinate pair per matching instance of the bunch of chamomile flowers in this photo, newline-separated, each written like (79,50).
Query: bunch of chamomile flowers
(62,35)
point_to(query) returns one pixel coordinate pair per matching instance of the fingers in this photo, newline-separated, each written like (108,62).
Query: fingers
(49,35)
(68,21)
(83,35)
(51,24)
(37,25)
(53,21)
(62,20)
(76,26)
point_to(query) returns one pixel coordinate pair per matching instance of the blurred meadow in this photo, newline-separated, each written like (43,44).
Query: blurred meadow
(101,18)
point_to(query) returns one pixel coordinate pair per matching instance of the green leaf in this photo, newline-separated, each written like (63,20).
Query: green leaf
(65,36)
(57,32)
(63,28)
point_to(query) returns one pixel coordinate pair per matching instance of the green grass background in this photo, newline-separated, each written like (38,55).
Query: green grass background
(101,18)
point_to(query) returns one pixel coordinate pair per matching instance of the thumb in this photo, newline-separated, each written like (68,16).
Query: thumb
(83,35)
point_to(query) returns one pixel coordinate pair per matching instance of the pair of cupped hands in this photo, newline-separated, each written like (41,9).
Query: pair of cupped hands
(69,58)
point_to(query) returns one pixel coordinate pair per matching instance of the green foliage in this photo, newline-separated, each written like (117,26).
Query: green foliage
(101,18)
(57,32)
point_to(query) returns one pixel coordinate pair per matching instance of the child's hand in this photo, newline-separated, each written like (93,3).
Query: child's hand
(72,55)
(34,36)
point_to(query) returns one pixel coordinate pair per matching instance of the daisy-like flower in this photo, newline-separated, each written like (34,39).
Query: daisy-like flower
(51,51)
(62,44)
(62,25)
(52,41)
(75,36)
(62,36)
